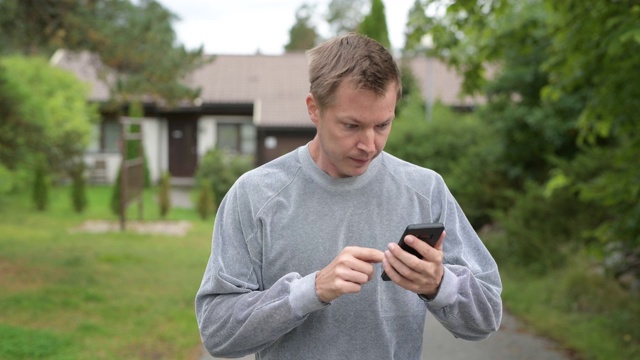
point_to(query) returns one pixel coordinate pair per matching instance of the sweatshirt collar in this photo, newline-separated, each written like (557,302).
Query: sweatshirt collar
(328,181)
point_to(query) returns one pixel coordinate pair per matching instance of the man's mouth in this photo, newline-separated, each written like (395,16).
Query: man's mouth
(360,161)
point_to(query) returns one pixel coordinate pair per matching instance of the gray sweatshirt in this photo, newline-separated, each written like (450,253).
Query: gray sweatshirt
(284,221)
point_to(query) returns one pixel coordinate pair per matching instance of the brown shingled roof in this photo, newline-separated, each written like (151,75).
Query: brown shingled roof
(439,82)
(87,67)
(276,85)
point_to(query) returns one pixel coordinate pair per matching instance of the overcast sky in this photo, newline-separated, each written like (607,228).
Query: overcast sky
(246,26)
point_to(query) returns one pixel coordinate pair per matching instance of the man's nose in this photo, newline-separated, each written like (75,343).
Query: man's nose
(367,141)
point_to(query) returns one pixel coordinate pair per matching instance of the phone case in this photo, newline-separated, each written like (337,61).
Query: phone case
(428,232)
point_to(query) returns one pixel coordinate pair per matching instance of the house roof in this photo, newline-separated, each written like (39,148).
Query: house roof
(438,82)
(87,67)
(276,84)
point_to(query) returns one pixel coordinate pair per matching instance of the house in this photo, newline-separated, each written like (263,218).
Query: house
(249,104)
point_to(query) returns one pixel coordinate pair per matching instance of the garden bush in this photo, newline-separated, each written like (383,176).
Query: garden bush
(221,170)
(205,200)
(78,187)
(40,187)
(164,194)
(542,228)
(457,146)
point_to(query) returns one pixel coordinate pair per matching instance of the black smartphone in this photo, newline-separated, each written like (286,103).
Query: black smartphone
(429,233)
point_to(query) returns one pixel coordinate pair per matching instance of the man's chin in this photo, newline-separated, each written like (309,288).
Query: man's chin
(357,171)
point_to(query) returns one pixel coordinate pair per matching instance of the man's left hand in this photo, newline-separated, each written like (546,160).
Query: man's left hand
(421,276)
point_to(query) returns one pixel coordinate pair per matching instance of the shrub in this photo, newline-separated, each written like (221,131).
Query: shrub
(41,187)
(606,181)
(460,148)
(6,180)
(205,203)
(541,228)
(43,113)
(164,195)
(221,170)
(78,187)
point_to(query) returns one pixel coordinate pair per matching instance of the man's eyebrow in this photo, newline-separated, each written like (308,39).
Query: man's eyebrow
(390,119)
(350,118)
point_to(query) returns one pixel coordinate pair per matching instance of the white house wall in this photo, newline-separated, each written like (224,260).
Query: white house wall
(206,135)
(111,166)
(156,151)
(156,146)
(151,132)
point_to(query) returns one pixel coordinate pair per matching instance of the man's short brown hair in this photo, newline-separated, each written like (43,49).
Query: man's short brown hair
(362,60)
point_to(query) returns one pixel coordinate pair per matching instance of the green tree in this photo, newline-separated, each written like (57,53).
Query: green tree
(410,88)
(303,35)
(601,53)
(460,147)
(600,57)
(36,27)
(12,146)
(164,195)
(40,194)
(512,39)
(374,24)
(140,59)
(78,186)
(344,16)
(470,37)
(47,114)
(415,30)
(135,42)
(563,93)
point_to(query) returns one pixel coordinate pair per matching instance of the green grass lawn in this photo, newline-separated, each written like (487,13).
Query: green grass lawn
(71,295)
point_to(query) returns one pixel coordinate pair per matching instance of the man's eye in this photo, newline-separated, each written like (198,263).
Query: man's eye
(350,126)
(383,126)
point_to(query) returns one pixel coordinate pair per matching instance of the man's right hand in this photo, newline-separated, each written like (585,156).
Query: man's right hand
(346,274)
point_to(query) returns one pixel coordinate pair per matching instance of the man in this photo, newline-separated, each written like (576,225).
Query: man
(311,228)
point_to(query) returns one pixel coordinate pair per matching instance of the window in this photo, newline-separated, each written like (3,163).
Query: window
(94,142)
(110,136)
(105,137)
(248,139)
(237,138)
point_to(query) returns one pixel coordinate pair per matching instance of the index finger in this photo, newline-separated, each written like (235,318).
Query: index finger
(366,254)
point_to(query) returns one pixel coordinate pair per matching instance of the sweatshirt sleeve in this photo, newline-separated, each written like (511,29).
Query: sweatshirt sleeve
(468,303)
(236,315)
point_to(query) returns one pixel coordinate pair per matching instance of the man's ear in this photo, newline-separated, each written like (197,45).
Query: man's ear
(312,109)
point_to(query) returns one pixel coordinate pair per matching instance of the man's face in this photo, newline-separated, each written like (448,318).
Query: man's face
(352,131)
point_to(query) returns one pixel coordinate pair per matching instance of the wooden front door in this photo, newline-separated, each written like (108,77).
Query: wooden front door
(183,147)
